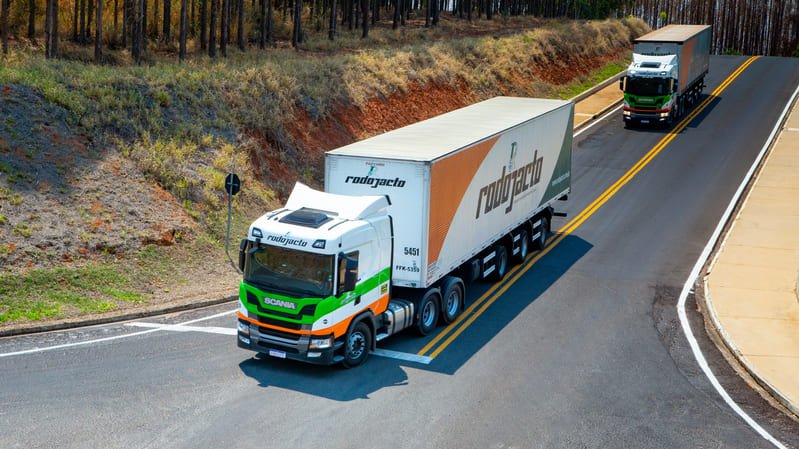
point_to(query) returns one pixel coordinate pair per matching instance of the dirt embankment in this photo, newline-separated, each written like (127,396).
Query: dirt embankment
(349,123)
(68,196)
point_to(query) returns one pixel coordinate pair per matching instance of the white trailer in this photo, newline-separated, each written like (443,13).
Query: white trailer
(407,219)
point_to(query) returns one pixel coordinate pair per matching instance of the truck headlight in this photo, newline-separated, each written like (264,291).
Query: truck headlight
(626,113)
(321,343)
(664,114)
(244,328)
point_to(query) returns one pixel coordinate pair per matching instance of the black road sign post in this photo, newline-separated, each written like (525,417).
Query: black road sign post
(232,187)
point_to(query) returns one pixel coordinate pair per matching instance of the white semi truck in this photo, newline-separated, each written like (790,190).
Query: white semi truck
(667,74)
(407,219)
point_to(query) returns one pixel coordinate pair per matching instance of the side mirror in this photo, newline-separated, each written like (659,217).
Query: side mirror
(242,253)
(673,86)
(621,83)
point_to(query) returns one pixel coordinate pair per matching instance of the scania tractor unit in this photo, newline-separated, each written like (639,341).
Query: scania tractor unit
(667,74)
(406,221)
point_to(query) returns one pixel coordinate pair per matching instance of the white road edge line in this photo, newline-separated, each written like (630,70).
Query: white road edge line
(184,328)
(600,119)
(700,358)
(116,337)
(402,356)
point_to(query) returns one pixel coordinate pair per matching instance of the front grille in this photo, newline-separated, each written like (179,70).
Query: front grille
(308,310)
(279,334)
(280,323)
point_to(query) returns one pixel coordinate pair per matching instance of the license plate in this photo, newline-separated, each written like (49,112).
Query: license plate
(644,121)
(278,354)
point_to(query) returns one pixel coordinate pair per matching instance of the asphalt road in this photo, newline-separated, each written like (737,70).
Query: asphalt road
(583,351)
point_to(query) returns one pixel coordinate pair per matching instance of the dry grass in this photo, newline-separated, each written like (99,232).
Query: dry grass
(174,119)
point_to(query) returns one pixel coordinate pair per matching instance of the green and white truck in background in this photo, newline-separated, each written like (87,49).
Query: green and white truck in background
(667,74)
(407,219)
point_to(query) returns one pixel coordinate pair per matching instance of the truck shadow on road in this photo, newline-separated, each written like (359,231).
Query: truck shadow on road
(331,382)
(532,286)
(339,384)
(694,123)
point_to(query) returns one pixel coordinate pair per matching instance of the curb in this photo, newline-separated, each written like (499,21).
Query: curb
(733,350)
(115,318)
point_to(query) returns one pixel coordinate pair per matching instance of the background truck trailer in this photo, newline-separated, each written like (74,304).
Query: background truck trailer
(667,74)
(407,219)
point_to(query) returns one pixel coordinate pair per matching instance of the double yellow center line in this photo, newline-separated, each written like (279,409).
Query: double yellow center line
(450,333)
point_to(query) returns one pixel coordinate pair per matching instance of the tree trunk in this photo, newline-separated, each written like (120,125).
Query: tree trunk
(75,23)
(82,27)
(364,19)
(155,19)
(184,29)
(395,22)
(224,32)
(203,24)
(331,32)
(32,19)
(4,6)
(48,28)
(167,20)
(116,14)
(427,14)
(268,21)
(98,35)
(136,30)
(296,35)
(54,29)
(212,29)
(262,24)
(240,26)
(89,18)
(144,25)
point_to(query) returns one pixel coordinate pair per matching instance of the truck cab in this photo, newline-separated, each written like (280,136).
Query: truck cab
(650,89)
(310,269)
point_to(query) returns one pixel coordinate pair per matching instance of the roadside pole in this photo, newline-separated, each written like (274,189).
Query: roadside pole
(232,187)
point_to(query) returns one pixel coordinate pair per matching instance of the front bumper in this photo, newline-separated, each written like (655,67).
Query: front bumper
(285,345)
(645,117)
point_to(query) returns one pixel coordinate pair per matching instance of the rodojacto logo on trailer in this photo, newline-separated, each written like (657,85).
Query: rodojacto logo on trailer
(375,181)
(509,184)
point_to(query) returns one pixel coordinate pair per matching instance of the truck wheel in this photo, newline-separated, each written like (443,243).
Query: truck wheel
(541,241)
(500,261)
(452,303)
(356,347)
(428,313)
(524,247)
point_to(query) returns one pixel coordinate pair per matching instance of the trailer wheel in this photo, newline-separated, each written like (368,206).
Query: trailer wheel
(428,312)
(453,299)
(357,345)
(524,247)
(501,262)
(541,240)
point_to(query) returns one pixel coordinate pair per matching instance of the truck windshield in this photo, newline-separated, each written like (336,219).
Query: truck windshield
(296,273)
(650,87)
